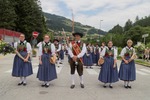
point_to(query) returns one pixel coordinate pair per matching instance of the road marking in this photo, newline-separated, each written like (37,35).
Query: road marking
(58,69)
(9,71)
(92,72)
(141,73)
(35,70)
(145,70)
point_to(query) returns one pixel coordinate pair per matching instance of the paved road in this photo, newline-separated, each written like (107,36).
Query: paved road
(59,89)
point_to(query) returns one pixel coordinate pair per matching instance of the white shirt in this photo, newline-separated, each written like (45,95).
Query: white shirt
(41,48)
(59,48)
(29,49)
(80,55)
(62,47)
(104,52)
(123,51)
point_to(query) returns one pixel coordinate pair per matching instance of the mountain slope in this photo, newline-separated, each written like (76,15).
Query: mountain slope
(56,23)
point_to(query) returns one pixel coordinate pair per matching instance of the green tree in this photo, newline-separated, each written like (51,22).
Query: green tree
(7,14)
(128,25)
(29,17)
(116,29)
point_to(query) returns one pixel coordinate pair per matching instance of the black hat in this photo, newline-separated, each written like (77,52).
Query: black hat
(55,40)
(77,33)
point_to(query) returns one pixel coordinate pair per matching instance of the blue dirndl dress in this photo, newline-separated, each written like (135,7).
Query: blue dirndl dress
(46,71)
(94,58)
(21,68)
(127,72)
(61,54)
(88,59)
(108,74)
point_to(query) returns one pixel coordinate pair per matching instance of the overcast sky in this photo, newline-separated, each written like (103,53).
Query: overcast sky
(90,12)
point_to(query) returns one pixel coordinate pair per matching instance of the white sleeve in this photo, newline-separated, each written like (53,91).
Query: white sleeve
(29,48)
(53,49)
(15,45)
(40,49)
(102,54)
(59,48)
(134,51)
(70,51)
(38,44)
(82,52)
(123,51)
(115,53)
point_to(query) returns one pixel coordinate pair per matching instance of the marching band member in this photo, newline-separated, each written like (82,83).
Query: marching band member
(76,58)
(109,71)
(47,70)
(58,49)
(87,59)
(62,53)
(22,66)
(127,68)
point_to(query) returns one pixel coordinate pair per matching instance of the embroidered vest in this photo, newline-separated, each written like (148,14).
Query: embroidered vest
(129,52)
(22,47)
(109,53)
(46,49)
(97,50)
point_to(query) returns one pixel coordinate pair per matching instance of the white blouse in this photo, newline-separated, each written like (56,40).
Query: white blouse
(102,54)
(29,48)
(41,48)
(124,50)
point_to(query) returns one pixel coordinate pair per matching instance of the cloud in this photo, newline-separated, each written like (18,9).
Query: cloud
(90,12)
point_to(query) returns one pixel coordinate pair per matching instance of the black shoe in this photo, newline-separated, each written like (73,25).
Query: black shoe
(91,67)
(82,85)
(46,85)
(129,87)
(72,86)
(126,87)
(110,86)
(43,85)
(20,83)
(60,63)
(24,84)
(105,86)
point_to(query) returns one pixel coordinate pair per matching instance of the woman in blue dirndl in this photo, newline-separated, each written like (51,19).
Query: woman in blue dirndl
(109,71)
(22,66)
(62,53)
(93,54)
(87,58)
(127,71)
(97,54)
(47,70)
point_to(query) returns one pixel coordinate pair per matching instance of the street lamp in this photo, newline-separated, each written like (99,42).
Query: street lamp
(100,28)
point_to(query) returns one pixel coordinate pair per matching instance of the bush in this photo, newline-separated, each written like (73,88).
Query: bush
(119,50)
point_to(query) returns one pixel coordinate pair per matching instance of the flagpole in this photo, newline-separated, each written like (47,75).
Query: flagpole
(72,22)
